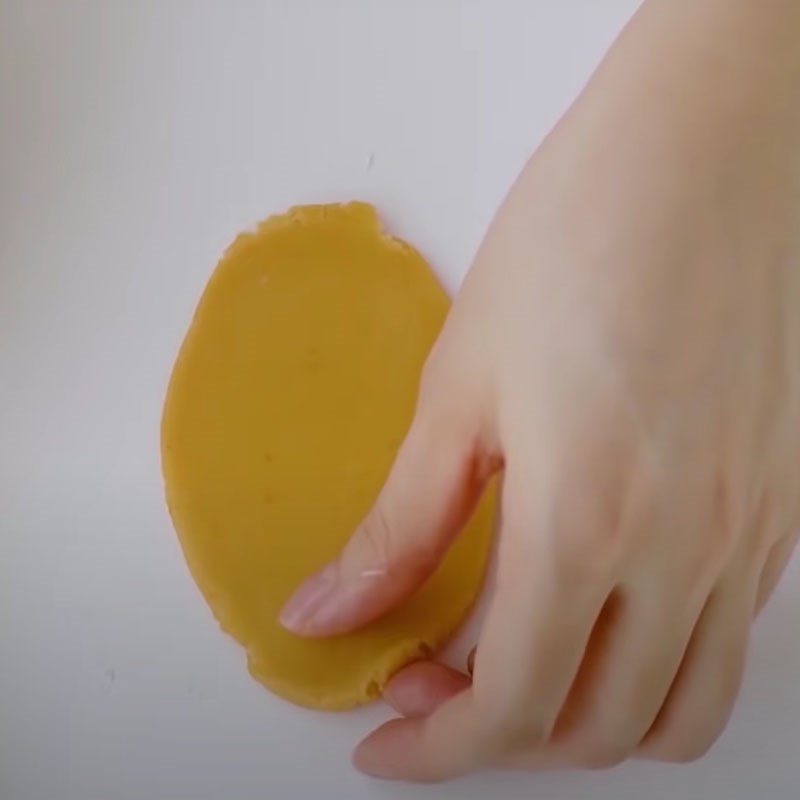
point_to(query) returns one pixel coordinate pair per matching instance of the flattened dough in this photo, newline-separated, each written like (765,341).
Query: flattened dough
(292,391)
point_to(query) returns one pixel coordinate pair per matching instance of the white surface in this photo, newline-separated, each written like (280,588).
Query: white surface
(136,138)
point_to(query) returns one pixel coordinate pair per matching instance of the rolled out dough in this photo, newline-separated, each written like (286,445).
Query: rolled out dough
(292,391)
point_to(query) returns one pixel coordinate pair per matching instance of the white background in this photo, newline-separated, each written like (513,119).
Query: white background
(136,139)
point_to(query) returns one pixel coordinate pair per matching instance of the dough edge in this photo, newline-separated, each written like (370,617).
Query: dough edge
(402,654)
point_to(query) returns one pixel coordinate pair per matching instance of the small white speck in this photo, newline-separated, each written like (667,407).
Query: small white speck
(373,573)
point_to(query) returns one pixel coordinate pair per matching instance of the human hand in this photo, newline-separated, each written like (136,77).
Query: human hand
(626,348)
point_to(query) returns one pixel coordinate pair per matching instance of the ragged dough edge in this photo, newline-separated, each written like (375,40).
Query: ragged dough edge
(401,654)
(368,690)
(371,687)
(322,212)
(297,216)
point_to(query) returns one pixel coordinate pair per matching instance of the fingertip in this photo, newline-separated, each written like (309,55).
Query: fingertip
(387,752)
(444,745)
(420,688)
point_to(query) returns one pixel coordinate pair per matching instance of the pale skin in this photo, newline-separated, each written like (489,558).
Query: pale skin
(626,350)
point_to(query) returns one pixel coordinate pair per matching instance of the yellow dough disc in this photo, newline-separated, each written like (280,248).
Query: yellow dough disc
(292,392)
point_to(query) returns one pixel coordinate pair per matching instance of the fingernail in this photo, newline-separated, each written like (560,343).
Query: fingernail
(306,601)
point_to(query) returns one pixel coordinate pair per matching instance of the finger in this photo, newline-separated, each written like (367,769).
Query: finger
(777,561)
(631,660)
(520,680)
(443,745)
(526,675)
(420,688)
(431,491)
(702,696)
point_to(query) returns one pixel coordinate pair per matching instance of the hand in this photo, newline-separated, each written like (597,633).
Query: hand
(626,348)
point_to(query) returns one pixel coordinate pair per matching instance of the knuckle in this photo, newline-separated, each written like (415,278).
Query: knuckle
(375,544)
(589,540)
(376,535)
(378,544)
(611,495)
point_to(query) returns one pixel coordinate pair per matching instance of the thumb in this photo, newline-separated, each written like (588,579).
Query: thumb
(433,487)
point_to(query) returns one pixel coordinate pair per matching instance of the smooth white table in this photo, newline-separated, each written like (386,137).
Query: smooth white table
(136,139)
